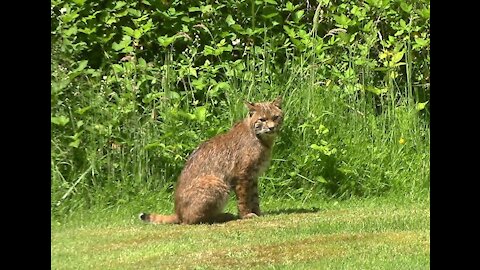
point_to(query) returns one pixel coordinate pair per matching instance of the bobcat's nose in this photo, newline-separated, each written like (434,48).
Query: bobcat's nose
(270,129)
(270,126)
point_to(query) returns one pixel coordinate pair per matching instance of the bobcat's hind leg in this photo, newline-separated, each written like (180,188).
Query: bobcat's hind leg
(203,201)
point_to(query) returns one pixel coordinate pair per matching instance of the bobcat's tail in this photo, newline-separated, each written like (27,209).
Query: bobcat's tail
(159,219)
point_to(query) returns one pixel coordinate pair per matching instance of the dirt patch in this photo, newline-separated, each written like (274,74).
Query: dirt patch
(314,248)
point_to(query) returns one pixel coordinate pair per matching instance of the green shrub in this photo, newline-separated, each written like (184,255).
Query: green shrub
(137,85)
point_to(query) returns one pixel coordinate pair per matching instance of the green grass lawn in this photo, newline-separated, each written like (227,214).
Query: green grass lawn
(353,234)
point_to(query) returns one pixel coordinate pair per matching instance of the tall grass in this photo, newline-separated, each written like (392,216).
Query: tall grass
(333,143)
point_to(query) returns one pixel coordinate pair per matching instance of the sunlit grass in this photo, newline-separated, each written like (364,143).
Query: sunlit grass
(356,234)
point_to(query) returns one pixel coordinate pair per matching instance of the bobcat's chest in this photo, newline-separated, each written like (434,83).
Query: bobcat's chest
(261,164)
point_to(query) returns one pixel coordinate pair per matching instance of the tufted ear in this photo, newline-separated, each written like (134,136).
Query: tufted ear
(251,107)
(278,102)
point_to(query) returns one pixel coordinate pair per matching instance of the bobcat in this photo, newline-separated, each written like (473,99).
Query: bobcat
(232,160)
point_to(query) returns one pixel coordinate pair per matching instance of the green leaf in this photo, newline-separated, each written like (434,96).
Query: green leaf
(69,17)
(421,105)
(119,5)
(375,3)
(123,44)
(183,114)
(324,149)
(269,12)
(230,20)
(425,13)
(273,2)
(142,62)
(172,95)
(420,42)
(323,129)
(154,145)
(290,32)
(75,143)
(79,2)
(199,84)
(345,37)
(368,26)
(194,9)
(399,33)
(81,65)
(146,27)
(119,14)
(206,9)
(165,40)
(70,31)
(406,7)
(298,15)
(152,96)
(187,19)
(208,50)
(316,147)
(80,124)
(110,20)
(127,30)
(137,33)
(376,90)
(134,12)
(106,38)
(219,86)
(60,120)
(117,46)
(346,170)
(83,110)
(200,113)
(289,6)
(342,21)
(172,12)
(238,28)
(397,56)
(58,86)
(192,71)
(88,31)
(117,68)
(320,179)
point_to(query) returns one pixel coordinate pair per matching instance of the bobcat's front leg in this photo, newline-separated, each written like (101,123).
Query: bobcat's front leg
(247,198)
(254,199)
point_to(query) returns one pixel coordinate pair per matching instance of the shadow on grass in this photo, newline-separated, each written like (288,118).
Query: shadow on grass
(293,211)
(226,217)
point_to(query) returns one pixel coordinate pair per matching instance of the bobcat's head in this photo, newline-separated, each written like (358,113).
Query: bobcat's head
(266,117)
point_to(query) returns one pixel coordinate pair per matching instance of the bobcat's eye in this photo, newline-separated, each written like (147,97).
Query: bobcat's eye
(275,117)
(262,119)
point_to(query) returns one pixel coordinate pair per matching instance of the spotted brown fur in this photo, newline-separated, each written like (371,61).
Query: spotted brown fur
(230,161)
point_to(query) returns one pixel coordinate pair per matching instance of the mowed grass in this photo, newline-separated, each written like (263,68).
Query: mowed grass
(353,234)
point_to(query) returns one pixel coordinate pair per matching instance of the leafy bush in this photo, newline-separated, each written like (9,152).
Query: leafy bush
(136,85)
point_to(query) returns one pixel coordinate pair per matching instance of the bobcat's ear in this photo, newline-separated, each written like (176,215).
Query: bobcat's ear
(278,102)
(250,106)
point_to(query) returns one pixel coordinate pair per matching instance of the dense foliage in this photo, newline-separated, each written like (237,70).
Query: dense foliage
(136,85)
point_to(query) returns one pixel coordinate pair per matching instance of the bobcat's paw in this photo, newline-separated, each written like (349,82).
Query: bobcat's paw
(250,215)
